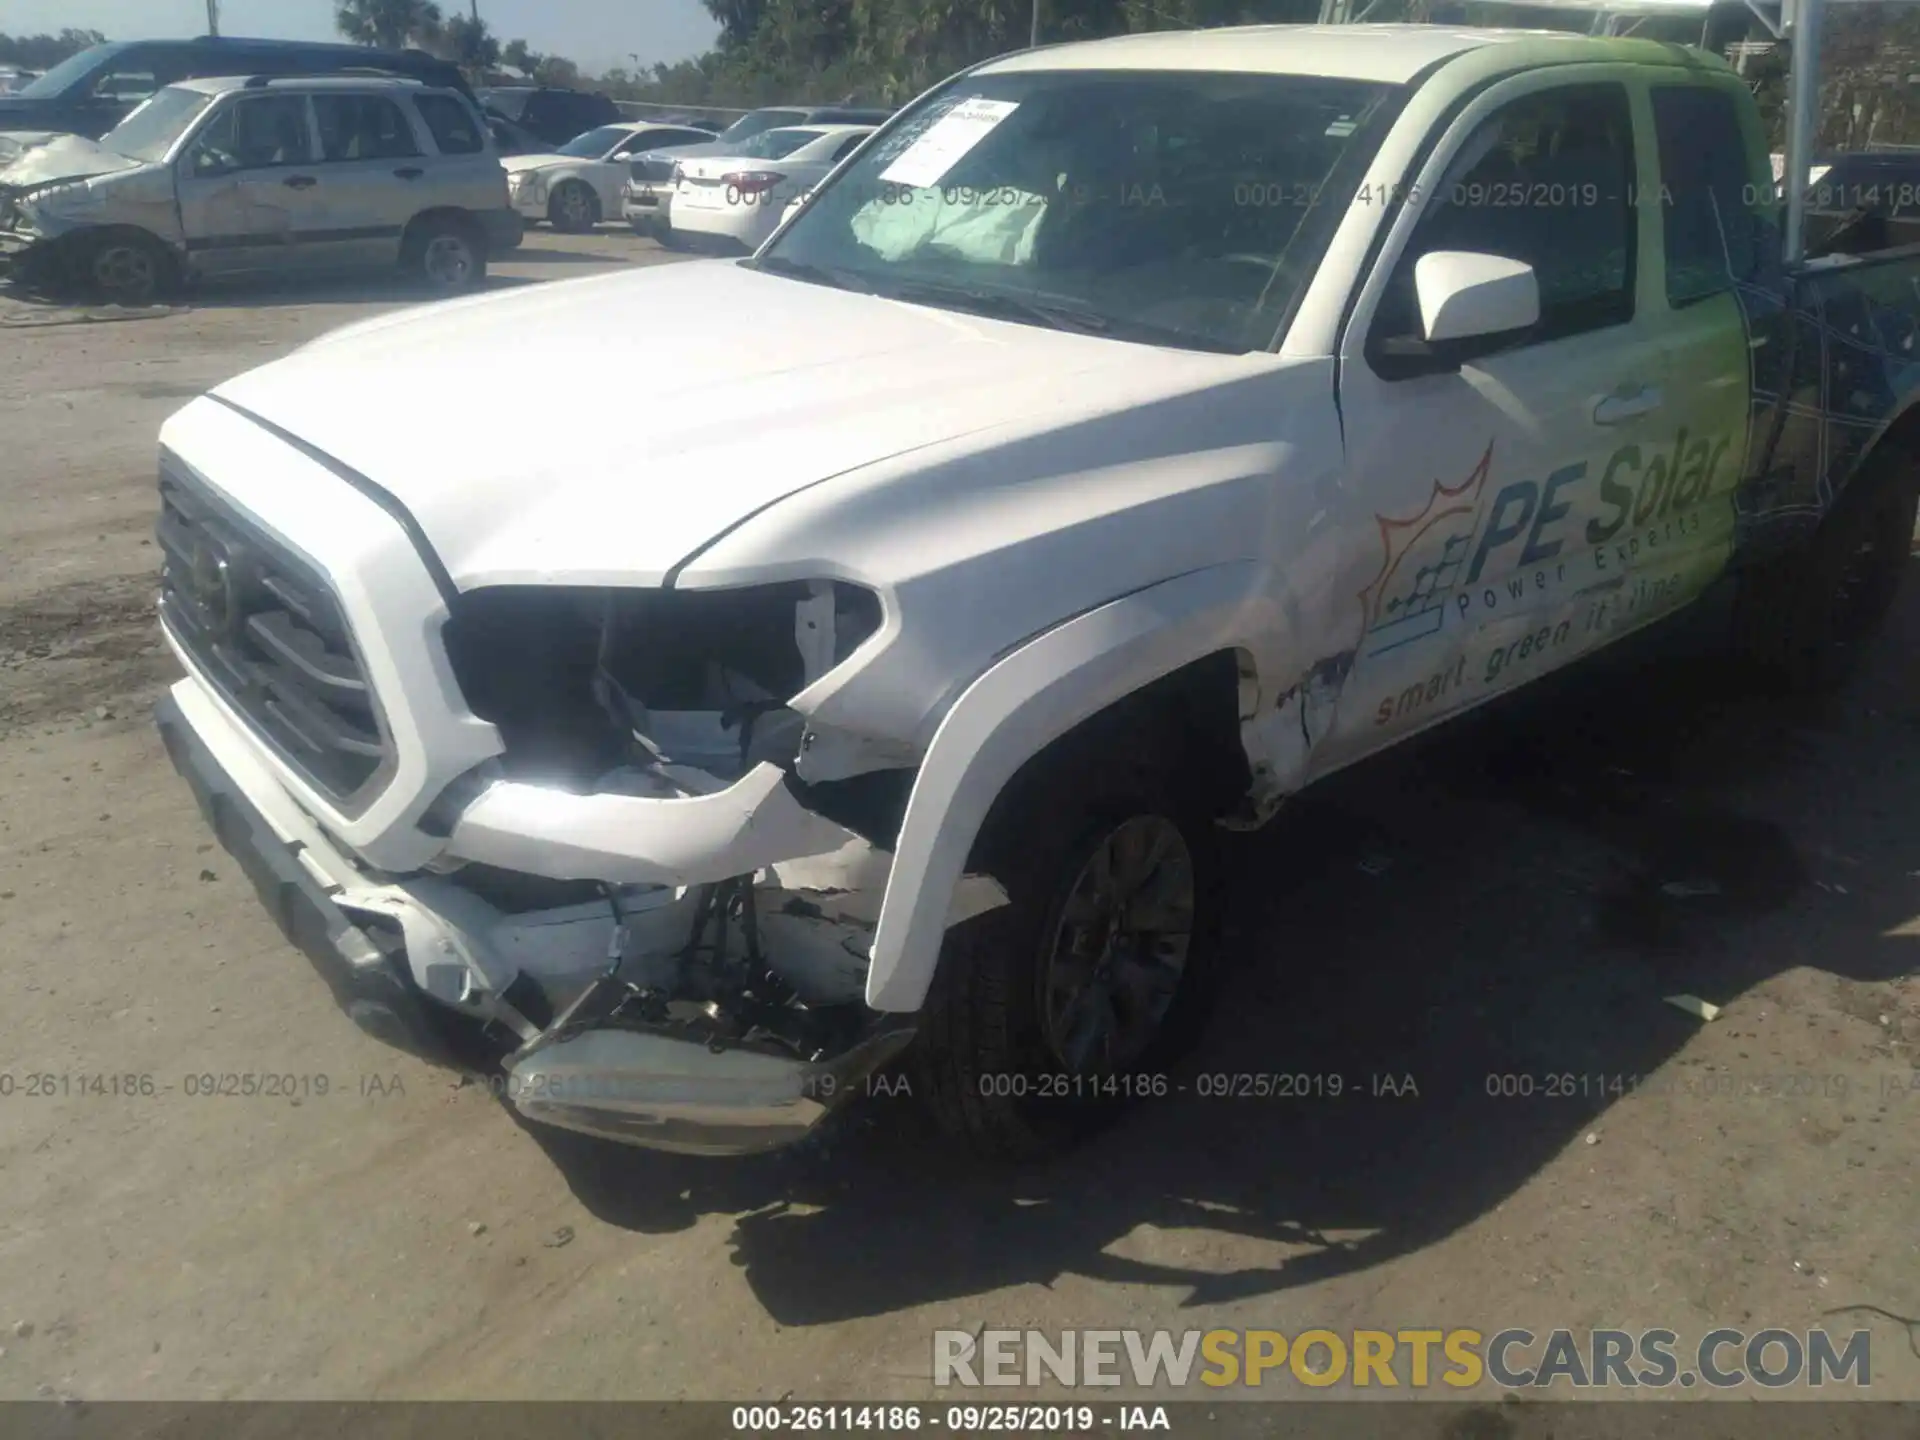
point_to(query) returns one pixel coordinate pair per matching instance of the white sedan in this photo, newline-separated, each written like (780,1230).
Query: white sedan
(575,187)
(735,201)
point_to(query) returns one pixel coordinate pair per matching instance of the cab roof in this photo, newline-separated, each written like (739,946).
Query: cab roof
(225,84)
(1388,54)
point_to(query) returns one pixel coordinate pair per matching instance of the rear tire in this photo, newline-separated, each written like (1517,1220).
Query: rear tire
(573,208)
(1804,618)
(446,254)
(1010,1056)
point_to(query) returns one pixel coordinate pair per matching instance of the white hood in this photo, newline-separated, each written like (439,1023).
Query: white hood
(63,157)
(600,430)
(514,164)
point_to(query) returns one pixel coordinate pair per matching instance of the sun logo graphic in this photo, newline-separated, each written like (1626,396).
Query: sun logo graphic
(1421,561)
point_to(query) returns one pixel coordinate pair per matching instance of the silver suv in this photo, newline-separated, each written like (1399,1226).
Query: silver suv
(219,177)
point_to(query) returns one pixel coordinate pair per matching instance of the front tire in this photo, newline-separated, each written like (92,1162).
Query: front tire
(1048,1016)
(573,208)
(1804,618)
(124,267)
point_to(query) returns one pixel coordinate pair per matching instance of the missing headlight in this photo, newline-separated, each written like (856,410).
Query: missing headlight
(606,689)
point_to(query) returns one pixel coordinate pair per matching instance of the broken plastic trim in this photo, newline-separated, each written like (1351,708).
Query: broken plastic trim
(716,1053)
(581,682)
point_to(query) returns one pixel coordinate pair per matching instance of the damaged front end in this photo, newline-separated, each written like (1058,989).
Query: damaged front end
(653,752)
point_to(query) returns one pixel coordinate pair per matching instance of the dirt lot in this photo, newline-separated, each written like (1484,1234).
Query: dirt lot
(1490,907)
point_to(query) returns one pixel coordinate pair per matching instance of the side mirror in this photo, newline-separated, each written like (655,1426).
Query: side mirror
(1468,296)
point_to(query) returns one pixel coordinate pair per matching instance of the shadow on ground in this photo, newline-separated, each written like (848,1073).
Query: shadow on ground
(1490,903)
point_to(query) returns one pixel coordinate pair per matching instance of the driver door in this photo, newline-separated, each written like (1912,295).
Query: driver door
(1475,491)
(249,191)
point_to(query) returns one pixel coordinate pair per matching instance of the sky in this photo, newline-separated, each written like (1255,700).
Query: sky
(596,34)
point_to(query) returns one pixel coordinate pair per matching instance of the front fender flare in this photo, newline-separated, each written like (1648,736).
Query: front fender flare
(1020,704)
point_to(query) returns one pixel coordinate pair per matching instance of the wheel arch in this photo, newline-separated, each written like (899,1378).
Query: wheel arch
(1901,433)
(574,177)
(458,214)
(72,245)
(1159,666)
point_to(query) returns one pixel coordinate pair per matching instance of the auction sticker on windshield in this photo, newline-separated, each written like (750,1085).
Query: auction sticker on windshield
(948,139)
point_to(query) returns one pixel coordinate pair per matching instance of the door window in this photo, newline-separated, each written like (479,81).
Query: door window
(124,86)
(363,127)
(258,133)
(133,75)
(1548,180)
(852,143)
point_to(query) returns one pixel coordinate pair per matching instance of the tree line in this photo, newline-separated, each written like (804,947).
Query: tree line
(43,52)
(878,52)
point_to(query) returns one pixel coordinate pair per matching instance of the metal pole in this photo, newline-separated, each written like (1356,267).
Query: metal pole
(213,17)
(1803,116)
(1034,39)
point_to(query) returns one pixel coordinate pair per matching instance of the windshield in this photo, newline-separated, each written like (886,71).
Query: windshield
(74,68)
(150,131)
(1186,208)
(773,144)
(756,121)
(510,103)
(594,143)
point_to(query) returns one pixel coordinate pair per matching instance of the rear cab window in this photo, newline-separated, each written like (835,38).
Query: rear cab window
(453,125)
(1715,207)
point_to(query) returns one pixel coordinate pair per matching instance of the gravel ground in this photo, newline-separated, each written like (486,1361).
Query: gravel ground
(1513,900)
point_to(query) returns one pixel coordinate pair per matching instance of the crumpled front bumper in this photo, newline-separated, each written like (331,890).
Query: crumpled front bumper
(409,958)
(366,981)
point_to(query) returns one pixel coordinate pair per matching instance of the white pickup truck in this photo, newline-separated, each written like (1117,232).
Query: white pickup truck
(1131,434)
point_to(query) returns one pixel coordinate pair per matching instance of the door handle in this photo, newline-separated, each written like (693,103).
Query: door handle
(299,182)
(1626,405)
(409,172)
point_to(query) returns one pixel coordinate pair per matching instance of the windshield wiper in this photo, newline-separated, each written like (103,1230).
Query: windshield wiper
(999,305)
(1056,314)
(805,270)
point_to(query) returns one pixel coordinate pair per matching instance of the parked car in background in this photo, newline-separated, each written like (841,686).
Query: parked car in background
(554,113)
(735,200)
(13,81)
(577,185)
(646,199)
(512,139)
(228,176)
(769,117)
(90,93)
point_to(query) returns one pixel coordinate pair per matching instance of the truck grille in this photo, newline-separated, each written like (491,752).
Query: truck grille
(265,630)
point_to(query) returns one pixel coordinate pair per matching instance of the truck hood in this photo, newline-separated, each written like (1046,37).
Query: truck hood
(63,157)
(602,430)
